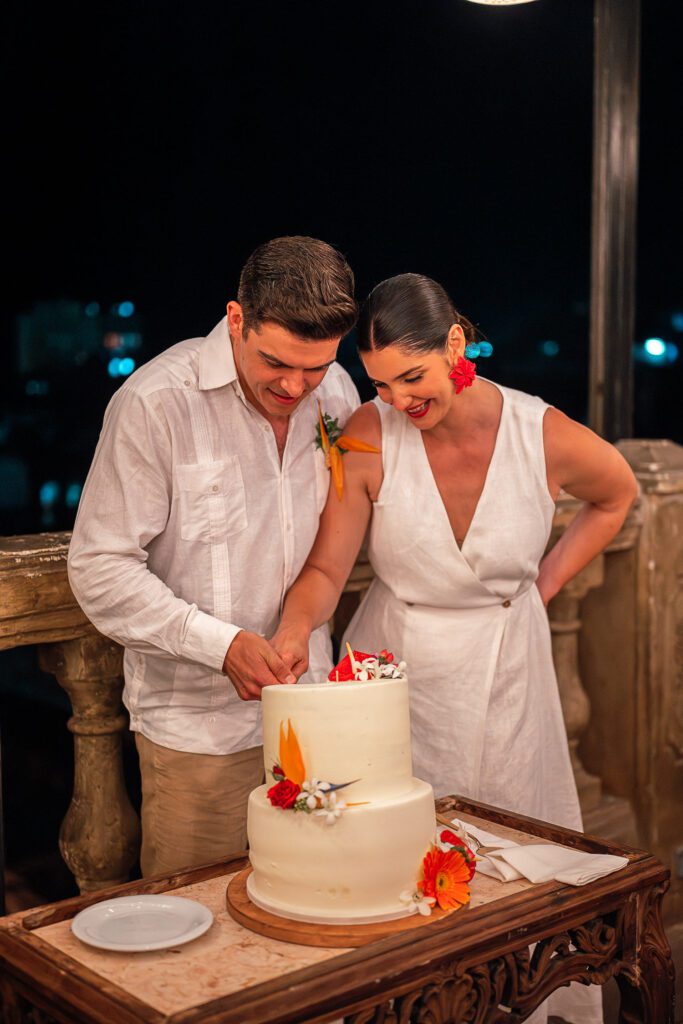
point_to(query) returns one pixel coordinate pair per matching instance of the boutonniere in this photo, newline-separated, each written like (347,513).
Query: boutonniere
(334,444)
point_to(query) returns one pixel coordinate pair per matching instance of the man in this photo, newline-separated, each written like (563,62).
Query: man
(199,510)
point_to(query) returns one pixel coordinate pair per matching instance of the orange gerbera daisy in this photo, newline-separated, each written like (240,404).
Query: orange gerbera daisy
(445,875)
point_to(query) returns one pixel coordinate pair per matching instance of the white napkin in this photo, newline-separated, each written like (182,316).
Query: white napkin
(540,862)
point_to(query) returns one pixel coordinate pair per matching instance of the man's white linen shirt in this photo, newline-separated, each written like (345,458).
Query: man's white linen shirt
(190,529)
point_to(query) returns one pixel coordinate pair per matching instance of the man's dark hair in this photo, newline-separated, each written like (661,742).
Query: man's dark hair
(300,283)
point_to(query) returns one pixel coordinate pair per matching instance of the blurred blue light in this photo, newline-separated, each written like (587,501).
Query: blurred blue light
(656,352)
(677,320)
(655,347)
(472,350)
(49,492)
(114,367)
(92,309)
(126,309)
(485,349)
(550,348)
(126,366)
(72,496)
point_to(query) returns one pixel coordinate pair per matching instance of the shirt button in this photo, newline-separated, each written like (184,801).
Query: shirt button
(187,383)
(506,604)
(215,488)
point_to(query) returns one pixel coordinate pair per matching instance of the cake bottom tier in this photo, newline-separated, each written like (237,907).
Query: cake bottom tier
(351,872)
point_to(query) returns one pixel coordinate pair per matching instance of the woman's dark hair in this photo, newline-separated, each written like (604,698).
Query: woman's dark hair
(300,283)
(412,311)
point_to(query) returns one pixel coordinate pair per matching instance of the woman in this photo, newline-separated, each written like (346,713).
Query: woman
(461,502)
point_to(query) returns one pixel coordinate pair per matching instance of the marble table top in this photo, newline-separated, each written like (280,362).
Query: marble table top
(227,958)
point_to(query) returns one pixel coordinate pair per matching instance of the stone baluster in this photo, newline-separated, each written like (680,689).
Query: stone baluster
(100,835)
(564,614)
(565,626)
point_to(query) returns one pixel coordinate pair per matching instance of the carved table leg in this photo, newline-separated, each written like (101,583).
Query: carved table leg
(100,835)
(647,984)
(15,1009)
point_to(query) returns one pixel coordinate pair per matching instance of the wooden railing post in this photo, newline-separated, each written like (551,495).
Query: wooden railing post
(100,835)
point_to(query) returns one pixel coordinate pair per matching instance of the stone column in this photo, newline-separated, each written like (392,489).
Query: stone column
(658,465)
(100,835)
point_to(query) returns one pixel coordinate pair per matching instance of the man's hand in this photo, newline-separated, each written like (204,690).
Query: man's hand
(251,663)
(292,646)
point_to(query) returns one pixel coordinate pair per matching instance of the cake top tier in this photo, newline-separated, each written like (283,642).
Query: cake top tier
(347,731)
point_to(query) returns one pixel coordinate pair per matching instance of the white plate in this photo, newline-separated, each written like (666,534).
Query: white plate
(133,924)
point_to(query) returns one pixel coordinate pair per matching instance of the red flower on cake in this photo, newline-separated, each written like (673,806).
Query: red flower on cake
(284,793)
(387,656)
(343,673)
(450,837)
(445,877)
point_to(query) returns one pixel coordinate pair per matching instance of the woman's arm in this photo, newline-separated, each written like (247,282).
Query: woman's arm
(581,463)
(315,593)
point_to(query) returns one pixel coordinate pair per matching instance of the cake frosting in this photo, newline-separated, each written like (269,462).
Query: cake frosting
(353,825)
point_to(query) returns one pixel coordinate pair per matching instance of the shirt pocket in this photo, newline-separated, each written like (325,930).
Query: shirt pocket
(212,502)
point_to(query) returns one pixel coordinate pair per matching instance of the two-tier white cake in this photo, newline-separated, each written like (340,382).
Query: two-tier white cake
(339,855)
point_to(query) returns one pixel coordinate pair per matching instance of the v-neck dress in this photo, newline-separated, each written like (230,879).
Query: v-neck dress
(469,621)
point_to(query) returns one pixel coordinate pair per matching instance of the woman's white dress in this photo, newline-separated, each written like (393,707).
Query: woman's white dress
(470,623)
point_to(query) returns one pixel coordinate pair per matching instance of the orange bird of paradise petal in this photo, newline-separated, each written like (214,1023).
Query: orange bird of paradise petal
(337,470)
(291,760)
(333,452)
(351,444)
(324,439)
(445,877)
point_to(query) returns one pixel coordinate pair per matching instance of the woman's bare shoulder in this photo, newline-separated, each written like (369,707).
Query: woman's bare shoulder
(364,424)
(581,462)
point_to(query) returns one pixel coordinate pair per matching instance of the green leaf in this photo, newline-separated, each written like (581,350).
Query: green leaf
(332,427)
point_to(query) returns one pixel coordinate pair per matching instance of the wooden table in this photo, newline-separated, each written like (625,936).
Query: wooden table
(460,969)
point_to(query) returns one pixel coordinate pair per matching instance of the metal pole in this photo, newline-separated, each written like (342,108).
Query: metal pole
(613,230)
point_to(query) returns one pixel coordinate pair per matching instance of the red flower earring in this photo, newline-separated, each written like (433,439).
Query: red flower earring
(463,374)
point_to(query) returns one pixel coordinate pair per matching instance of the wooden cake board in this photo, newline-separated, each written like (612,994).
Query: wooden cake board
(341,936)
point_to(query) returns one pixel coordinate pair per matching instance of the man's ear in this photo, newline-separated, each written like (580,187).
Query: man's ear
(235,319)
(455,343)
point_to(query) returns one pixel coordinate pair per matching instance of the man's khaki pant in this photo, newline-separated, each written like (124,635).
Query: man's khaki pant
(194,806)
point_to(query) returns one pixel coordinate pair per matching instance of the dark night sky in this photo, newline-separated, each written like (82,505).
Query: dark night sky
(152,145)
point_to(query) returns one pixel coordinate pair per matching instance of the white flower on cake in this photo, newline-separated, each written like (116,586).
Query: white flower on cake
(417,903)
(331,808)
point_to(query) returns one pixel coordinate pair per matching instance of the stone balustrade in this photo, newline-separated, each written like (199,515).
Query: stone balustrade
(100,835)
(99,838)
